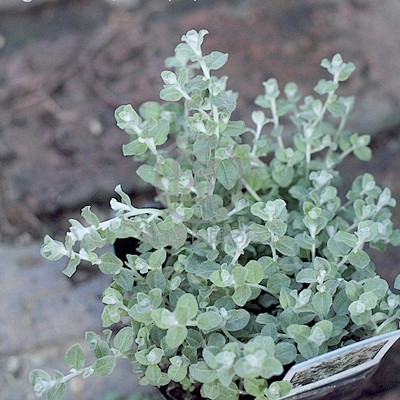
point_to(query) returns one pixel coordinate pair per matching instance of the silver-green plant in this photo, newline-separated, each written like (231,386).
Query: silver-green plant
(254,263)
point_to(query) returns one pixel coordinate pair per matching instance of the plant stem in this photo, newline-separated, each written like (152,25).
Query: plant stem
(337,135)
(308,158)
(231,337)
(216,119)
(325,106)
(313,252)
(358,246)
(71,375)
(313,249)
(204,68)
(385,323)
(184,94)
(191,232)
(346,153)
(256,137)
(272,246)
(275,118)
(136,274)
(263,288)
(251,191)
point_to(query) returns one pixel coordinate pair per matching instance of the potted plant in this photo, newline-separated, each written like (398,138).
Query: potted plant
(255,264)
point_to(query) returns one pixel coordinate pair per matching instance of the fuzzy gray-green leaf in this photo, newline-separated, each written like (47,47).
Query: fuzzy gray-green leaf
(75,357)
(227,173)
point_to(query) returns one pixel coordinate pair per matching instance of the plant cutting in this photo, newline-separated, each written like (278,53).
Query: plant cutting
(254,264)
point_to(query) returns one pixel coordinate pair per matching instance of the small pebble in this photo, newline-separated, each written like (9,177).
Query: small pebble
(95,127)
(128,4)
(13,364)
(76,385)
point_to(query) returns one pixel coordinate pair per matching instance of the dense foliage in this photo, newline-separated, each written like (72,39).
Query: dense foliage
(254,262)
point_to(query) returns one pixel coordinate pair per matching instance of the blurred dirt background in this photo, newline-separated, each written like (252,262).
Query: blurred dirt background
(66,65)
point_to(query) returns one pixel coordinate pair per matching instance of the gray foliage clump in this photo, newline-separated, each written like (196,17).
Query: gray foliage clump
(254,262)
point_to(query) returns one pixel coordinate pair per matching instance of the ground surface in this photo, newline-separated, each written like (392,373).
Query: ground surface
(66,65)
(42,314)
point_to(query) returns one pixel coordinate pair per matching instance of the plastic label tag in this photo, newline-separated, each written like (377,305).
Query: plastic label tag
(339,364)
